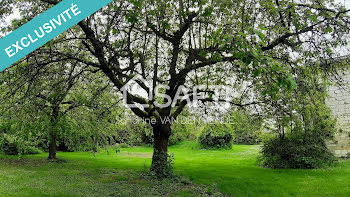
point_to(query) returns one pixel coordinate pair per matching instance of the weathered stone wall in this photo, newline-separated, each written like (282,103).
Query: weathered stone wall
(339,102)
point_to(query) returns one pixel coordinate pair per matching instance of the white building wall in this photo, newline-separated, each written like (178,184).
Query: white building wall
(339,103)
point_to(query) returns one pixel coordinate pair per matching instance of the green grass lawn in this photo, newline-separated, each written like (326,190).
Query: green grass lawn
(232,172)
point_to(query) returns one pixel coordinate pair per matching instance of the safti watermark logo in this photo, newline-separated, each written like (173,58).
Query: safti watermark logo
(194,96)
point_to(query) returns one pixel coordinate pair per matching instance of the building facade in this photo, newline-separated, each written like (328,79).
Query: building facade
(339,103)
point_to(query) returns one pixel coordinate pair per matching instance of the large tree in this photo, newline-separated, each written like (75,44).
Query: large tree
(203,42)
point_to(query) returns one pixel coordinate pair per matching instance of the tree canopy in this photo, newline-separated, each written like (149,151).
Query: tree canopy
(273,47)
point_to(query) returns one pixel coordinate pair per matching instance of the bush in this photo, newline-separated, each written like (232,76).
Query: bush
(135,134)
(246,138)
(296,151)
(13,145)
(9,147)
(216,136)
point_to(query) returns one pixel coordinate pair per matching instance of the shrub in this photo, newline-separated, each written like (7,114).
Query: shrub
(135,134)
(216,136)
(246,138)
(296,152)
(13,145)
(9,147)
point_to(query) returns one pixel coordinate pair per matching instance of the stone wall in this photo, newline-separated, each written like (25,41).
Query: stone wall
(339,103)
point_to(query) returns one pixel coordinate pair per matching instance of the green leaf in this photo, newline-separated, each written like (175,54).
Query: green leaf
(291,82)
(262,27)
(203,53)
(132,18)
(259,33)
(208,12)
(329,29)
(313,18)
(136,3)
(257,72)
(166,25)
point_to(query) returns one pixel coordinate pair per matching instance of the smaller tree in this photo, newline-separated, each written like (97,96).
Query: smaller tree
(303,124)
(246,127)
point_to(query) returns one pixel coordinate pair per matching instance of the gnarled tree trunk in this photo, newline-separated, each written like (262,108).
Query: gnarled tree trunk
(159,165)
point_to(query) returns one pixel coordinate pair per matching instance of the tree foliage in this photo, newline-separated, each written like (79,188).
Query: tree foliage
(274,47)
